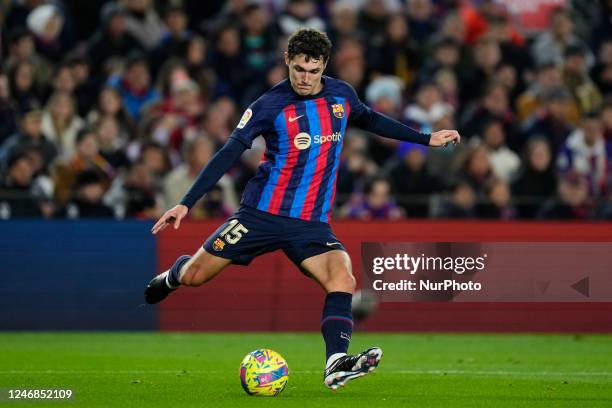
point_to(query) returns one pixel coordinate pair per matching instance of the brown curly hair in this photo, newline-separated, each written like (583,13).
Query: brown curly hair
(310,42)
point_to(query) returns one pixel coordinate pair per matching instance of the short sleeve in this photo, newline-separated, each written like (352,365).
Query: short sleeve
(254,122)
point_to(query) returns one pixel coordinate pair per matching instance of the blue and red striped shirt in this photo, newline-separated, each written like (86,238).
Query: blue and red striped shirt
(304,138)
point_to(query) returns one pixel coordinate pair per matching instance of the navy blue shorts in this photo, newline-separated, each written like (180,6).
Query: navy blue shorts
(251,232)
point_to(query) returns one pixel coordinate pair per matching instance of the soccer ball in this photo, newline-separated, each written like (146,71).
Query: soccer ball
(264,372)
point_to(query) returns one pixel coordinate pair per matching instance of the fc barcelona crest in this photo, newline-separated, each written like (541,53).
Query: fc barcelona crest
(338,110)
(218,244)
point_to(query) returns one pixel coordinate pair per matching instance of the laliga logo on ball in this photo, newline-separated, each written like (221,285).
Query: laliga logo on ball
(302,141)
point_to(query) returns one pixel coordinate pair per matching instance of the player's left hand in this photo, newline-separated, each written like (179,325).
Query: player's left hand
(444,137)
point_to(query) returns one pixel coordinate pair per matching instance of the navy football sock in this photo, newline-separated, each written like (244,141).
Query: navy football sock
(173,280)
(337,323)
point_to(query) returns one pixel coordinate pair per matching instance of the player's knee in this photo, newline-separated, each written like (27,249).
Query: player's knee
(341,280)
(191,275)
(349,282)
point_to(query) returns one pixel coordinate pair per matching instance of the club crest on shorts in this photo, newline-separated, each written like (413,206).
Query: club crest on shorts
(338,110)
(218,244)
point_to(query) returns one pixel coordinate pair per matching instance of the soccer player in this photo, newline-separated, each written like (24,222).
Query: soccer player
(287,204)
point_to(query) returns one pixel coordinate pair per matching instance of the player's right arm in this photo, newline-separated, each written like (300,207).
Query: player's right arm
(251,125)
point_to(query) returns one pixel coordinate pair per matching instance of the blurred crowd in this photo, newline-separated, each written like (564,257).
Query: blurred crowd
(111,108)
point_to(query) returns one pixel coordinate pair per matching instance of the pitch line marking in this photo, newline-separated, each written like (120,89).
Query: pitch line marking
(414,372)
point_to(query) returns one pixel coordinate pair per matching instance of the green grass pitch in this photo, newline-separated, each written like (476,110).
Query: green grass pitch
(417,370)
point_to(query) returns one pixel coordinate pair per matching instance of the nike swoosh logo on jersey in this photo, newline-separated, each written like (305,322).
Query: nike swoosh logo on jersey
(332,243)
(295,118)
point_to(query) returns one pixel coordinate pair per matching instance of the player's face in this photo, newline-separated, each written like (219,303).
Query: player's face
(305,76)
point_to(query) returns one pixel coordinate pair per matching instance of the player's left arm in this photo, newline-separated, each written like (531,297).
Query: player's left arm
(383,125)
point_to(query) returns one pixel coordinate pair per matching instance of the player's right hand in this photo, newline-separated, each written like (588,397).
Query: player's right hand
(172,216)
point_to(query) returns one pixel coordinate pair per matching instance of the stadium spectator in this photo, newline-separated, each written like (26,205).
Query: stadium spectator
(175,41)
(179,112)
(602,71)
(112,40)
(576,79)
(445,54)
(134,193)
(355,168)
(421,19)
(349,63)
(195,57)
(411,180)
(86,157)
(86,201)
(552,123)
(461,202)
(606,117)
(384,95)
(344,15)
(45,22)
(259,40)
(196,153)
(537,180)
(21,47)
(23,86)
(112,142)
(155,158)
(213,205)
(376,202)
(427,108)
(30,134)
(549,46)
(497,204)
(61,123)
(531,101)
(584,153)
(475,78)
(147,86)
(143,22)
(504,162)
(228,63)
(141,198)
(8,112)
(447,83)
(134,86)
(16,197)
(299,14)
(476,168)
(86,84)
(219,121)
(398,54)
(572,201)
(493,105)
(110,104)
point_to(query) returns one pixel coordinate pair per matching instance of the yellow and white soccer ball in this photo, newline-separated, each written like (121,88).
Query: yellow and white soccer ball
(264,372)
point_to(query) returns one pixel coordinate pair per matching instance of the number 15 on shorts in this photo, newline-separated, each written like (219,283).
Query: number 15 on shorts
(233,232)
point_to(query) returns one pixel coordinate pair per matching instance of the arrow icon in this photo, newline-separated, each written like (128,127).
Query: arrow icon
(543,286)
(582,286)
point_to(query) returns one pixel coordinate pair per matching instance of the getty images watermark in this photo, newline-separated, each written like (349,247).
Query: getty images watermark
(492,271)
(421,263)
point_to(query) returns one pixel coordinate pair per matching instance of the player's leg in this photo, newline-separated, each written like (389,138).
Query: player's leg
(244,236)
(186,270)
(333,271)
